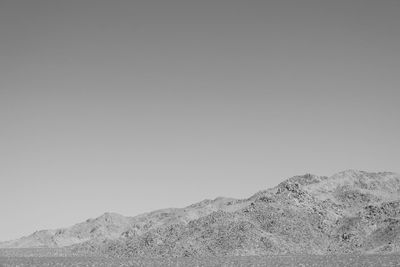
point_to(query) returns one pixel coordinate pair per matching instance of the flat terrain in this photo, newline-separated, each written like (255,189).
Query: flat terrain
(300,260)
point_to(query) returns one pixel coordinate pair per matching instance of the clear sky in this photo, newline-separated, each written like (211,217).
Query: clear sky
(131,106)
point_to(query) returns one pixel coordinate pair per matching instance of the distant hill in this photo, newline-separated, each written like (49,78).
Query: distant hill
(352,211)
(110,226)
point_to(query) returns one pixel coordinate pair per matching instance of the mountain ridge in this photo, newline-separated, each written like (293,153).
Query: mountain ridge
(89,229)
(350,211)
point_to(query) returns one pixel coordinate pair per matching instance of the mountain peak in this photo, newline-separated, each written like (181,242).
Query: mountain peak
(381,185)
(305,179)
(111,215)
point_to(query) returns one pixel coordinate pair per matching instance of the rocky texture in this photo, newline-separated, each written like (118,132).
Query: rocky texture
(107,226)
(110,226)
(352,211)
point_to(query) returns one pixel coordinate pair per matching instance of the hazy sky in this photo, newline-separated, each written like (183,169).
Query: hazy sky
(131,106)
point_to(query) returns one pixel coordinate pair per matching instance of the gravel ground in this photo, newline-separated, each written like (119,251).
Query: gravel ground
(301,260)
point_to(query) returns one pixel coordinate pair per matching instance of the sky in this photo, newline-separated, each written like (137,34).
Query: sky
(132,106)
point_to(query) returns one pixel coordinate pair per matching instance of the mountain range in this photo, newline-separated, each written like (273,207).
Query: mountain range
(348,212)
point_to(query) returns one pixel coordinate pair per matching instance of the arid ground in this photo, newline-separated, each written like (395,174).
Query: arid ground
(300,260)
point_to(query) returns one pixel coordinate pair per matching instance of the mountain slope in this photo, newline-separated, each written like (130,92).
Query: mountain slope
(348,212)
(107,226)
(352,211)
(111,226)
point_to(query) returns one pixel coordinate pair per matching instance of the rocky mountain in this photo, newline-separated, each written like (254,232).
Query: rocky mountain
(352,211)
(110,226)
(107,226)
